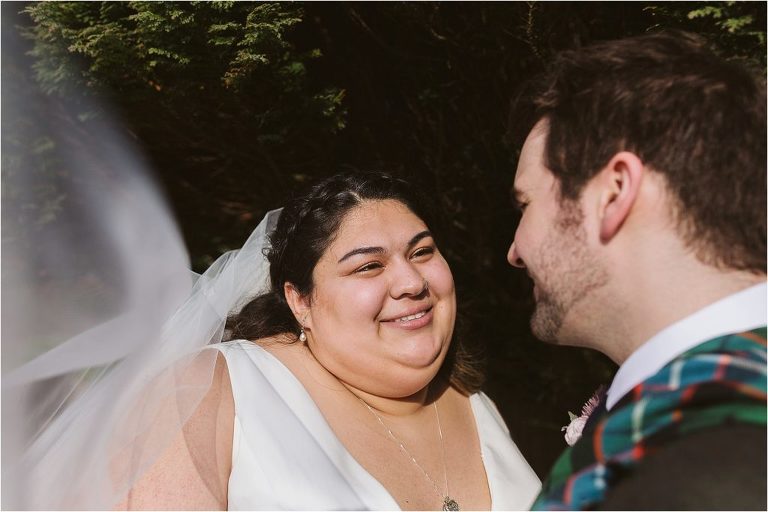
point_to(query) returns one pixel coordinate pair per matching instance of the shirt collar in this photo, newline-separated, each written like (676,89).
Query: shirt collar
(742,311)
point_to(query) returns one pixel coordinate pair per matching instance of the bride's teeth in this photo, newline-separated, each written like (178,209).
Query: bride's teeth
(412,317)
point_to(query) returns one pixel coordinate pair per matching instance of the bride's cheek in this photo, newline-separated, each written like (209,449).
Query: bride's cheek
(367,300)
(441,281)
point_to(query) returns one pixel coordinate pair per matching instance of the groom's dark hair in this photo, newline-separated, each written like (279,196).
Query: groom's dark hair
(690,115)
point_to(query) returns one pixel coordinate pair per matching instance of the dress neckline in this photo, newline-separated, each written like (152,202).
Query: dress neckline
(375,495)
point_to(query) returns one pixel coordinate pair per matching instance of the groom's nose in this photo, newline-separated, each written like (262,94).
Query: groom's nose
(513,257)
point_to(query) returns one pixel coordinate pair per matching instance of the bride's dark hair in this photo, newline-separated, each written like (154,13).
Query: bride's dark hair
(305,229)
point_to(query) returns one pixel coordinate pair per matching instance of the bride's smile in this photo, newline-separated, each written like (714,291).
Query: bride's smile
(382,311)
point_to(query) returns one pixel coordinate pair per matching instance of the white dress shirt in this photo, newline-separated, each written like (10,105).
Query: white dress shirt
(742,311)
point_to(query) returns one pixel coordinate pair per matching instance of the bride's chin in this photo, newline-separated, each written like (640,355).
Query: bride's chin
(421,353)
(409,381)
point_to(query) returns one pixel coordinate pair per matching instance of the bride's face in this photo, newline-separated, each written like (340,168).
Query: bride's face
(383,307)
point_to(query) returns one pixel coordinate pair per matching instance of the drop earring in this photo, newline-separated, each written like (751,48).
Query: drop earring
(303,333)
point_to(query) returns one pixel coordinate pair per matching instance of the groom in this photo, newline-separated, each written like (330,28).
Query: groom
(643,194)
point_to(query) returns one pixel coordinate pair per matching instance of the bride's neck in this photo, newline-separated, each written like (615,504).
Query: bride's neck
(400,407)
(394,407)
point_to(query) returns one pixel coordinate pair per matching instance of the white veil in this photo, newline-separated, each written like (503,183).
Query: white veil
(103,323)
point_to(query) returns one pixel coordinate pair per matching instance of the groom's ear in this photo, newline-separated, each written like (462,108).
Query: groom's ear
(298,303)
(620,181)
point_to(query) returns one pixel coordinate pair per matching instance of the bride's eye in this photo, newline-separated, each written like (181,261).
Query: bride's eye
(374,265)
(422,252)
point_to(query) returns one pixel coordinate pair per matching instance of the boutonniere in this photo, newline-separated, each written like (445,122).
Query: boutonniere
(574,429)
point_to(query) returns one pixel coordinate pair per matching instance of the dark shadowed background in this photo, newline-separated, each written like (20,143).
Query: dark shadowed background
(240,105)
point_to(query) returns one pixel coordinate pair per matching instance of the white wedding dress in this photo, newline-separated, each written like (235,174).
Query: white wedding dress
(286,457)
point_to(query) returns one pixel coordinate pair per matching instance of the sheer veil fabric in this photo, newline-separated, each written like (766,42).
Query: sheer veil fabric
(103,324)
(86,417)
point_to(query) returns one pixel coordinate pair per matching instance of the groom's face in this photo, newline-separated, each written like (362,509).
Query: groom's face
(551,244)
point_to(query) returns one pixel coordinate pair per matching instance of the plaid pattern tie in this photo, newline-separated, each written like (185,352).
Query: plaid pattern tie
(721,381)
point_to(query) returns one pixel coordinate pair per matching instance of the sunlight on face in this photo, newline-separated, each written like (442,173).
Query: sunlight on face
(384,305)
(550,243)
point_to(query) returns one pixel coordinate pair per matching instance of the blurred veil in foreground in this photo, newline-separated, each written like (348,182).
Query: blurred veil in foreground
(103,324)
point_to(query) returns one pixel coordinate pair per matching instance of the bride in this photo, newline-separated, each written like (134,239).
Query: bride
(349,393)
(340,387)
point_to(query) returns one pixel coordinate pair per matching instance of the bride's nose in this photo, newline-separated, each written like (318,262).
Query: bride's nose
(407,281)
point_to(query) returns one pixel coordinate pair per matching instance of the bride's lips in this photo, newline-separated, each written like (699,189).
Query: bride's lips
(419,318)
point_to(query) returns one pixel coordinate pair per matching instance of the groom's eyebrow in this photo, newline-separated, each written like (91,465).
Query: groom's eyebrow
(518,197)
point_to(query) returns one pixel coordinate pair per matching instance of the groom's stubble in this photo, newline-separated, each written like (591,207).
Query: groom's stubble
(566,274)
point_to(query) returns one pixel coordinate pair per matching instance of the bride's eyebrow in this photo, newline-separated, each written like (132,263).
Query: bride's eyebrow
(380,250)
(362,250)
(416,239)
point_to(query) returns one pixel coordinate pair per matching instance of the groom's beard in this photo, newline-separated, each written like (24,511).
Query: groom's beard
(566,274)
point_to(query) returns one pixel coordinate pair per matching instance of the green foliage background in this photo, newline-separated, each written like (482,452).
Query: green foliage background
(239,104)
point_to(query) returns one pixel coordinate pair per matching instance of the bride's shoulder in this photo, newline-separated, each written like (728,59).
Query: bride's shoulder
(282,351)
(284,347)
(278,342)
(195,438)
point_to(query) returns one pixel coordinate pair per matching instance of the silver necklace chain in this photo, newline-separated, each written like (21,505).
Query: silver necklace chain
(448,502)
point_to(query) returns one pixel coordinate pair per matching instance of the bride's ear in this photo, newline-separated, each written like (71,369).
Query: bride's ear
(299,304)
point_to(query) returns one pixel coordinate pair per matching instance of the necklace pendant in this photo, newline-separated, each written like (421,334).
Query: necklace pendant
(450,504)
